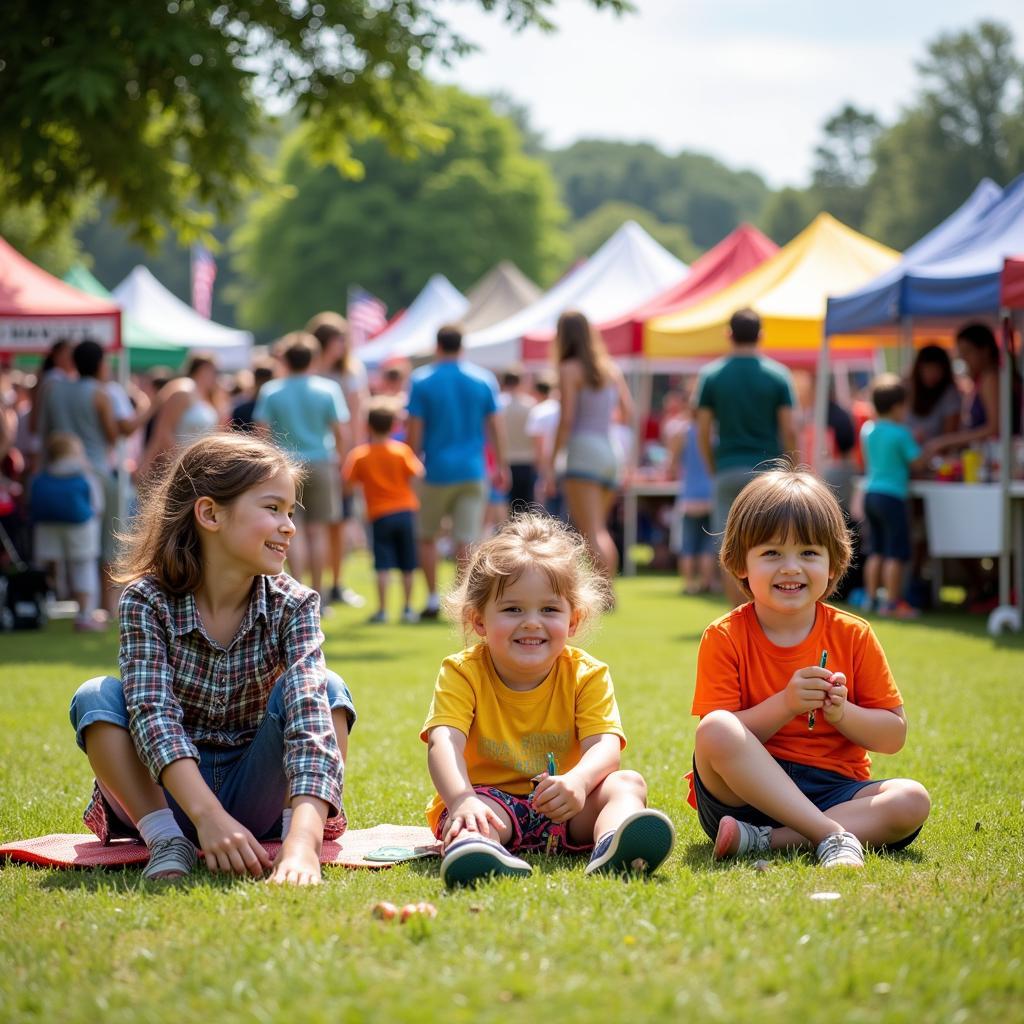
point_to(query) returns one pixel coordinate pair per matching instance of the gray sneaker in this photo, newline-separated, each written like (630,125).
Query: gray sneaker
(170,859)
(736,838)
(840,850)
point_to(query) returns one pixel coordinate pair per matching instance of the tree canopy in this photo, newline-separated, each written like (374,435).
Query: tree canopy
(156,106)
(590,233)
(458,208)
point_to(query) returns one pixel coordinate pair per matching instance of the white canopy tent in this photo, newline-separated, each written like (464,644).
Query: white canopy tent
(153,307)
(630,268)
(415,333)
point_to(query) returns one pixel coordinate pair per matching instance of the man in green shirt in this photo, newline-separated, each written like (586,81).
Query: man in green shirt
(750,398)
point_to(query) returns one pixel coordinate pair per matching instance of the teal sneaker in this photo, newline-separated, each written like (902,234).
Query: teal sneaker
(639,845)
(470,860)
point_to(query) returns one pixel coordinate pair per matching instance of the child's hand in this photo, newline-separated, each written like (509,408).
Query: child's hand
(560,797)
(297,864)
(229,846)
(835,701)
(806,689)
(471,814)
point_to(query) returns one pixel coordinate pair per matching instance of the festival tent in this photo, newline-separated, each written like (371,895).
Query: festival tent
(885,301)
(630,268)
(502,292)
(789,290)
(152,306)
(144,347)
(737,254)
(1012,293)
(37,308)
(415,333)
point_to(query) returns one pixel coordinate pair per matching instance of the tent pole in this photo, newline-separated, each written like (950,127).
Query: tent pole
(1005,455)
(820,407)
(906,348)
(122,447)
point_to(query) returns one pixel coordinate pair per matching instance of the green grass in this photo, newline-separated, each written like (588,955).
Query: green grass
(935,934)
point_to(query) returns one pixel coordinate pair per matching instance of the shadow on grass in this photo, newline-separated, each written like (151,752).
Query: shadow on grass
(697,857)
(947,620)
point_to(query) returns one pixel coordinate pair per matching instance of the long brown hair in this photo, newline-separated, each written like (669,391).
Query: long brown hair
(163,540)
(327,326)
(575,338)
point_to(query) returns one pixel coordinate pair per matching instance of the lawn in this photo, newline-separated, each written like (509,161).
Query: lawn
(934,934)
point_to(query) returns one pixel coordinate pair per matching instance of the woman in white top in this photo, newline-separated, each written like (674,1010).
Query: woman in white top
(338,363)
(189,407)
(592,391)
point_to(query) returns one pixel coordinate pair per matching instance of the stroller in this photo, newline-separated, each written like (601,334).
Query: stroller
(22,591)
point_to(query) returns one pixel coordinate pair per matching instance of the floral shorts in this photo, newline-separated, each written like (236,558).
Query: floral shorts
(531,830)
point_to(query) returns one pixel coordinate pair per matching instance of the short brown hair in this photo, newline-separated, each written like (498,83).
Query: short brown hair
(163,540)
(525,541)
(786,502)
(381,417)
(887,392)
(449,339)
(745,326)
(60,445)
(298,350)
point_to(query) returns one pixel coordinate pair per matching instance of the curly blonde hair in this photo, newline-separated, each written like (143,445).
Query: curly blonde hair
(530,540)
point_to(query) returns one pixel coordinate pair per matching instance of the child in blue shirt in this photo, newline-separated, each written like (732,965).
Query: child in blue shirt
(890,452)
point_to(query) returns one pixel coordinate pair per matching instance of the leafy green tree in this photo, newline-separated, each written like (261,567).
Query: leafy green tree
(788,212)
(587,235)
(844,163)
(458,208)
(690,189)
(155,105)
(27,227)
(967,124)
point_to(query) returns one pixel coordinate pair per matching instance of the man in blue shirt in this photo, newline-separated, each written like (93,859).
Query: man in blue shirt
(306,415)
(453,414)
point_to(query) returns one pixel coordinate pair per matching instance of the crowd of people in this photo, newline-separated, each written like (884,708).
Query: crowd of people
(413,462)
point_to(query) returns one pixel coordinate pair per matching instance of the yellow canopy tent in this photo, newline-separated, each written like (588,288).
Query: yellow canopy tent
(790,291)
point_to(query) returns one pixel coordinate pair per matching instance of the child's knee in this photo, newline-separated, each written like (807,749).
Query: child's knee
(911,808)
(627,782)
(100,699)
(718,734)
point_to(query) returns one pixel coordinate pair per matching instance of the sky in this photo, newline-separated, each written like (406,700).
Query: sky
(748,81)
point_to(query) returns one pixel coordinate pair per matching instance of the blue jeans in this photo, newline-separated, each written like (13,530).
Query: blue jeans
(249,781)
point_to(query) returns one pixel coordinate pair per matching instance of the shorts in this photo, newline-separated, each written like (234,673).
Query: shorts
(726,488)
(888,526)
(823,788)
(321,493)
(249,780)
(697,537)
(67,542)
(530,829)
(522,495)
(465,502)
(592,457)
(394,542)
(109,522)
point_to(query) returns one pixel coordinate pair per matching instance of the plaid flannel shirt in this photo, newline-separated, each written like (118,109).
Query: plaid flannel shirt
(182,688)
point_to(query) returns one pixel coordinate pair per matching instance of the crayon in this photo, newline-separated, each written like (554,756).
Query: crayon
(552,838)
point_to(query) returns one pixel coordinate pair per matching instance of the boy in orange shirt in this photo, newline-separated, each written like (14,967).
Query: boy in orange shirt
(781,752)
(385,468)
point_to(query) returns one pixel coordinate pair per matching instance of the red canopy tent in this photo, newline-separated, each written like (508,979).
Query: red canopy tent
(736,255)
(1012,284)
(37,308)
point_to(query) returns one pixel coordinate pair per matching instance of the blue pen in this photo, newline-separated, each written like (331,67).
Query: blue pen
(810,714)
(549,847)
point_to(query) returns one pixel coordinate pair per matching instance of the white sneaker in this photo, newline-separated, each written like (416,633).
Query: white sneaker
(840,850)
(410,617)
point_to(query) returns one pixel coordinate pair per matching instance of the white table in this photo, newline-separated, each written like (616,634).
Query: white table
(631,494)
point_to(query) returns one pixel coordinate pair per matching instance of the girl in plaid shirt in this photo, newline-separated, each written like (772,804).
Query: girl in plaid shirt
(226,726)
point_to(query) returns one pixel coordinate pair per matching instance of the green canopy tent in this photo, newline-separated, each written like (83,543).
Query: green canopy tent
(145,348)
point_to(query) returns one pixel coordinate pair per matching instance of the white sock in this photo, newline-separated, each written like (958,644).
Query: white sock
(158,825)
(286,821)
(433,602)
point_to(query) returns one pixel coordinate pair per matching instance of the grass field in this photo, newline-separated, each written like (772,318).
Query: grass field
(934,934)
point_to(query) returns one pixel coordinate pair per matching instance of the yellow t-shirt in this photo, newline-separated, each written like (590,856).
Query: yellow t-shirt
(509,732)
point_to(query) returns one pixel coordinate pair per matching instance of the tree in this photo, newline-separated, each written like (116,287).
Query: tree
(690,189)
(788,212)
(844,163)
(589,234)
(156,105)
(458,208)
(968,123)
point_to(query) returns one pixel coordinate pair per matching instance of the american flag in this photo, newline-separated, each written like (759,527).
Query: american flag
(204,273)
(367,315)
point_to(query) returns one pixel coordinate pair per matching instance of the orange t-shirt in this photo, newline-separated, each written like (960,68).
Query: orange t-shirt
(384,469)
(738,667)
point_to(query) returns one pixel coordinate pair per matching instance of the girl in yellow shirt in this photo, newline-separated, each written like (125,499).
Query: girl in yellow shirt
(520,703)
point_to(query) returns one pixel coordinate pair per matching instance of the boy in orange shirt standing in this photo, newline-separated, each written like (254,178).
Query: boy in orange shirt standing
(781,752)
(385,468)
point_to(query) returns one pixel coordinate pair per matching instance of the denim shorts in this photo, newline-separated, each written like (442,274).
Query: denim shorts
(531,830)
(823,788)
(888,526)
(394,542)
(249,781)
(697,536)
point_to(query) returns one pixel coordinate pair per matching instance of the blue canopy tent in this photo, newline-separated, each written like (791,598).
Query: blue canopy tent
(950,275)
